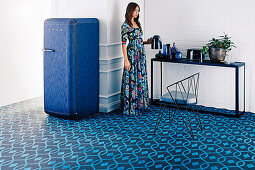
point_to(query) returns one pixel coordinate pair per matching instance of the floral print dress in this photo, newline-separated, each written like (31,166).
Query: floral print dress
(134,88)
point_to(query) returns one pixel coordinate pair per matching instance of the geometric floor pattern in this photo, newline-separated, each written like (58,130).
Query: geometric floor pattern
(31,139)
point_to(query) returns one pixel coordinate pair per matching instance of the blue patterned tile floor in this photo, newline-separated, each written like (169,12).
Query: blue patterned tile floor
(31,139)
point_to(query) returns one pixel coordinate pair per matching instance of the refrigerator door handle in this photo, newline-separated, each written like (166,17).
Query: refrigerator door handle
(48,50)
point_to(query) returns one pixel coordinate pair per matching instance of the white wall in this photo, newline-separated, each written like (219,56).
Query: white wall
(191,24)
(21,42)
(111,14)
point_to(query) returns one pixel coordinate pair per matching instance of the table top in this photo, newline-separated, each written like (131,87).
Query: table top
(197,62)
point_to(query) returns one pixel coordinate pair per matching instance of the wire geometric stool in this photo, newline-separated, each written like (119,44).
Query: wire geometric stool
(184,95)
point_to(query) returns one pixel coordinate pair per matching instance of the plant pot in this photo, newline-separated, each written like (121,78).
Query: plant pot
(217,54)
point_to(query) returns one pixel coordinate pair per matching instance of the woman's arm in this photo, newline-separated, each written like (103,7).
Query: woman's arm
(145,42)
(148,41)
(124,50)
(126,62)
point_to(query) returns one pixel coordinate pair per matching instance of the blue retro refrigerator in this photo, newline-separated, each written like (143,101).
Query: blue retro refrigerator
(71,67)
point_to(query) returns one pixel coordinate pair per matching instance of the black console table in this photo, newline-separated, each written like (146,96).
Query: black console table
(236,65)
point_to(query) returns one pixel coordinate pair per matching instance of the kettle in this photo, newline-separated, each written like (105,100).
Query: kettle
(156,42)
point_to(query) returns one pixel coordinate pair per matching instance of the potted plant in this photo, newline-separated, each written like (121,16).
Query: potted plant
(218,48)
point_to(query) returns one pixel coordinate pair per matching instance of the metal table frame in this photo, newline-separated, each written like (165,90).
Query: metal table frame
(235,65)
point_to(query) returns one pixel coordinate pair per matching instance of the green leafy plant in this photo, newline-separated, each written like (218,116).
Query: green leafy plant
(204,50)
(222,42)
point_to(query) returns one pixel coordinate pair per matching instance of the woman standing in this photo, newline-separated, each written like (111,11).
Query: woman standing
(134,88)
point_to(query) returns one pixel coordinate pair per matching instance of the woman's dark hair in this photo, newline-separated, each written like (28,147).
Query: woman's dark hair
(129,11)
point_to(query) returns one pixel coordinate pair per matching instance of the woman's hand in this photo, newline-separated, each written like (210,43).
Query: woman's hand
(149,41)
(127,65)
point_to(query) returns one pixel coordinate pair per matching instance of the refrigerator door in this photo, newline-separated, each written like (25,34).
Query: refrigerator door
(59,67)
(87,66)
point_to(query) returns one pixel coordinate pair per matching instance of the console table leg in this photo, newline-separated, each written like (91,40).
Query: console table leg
(244,89)
(152,82)
(161,77)
(237,91)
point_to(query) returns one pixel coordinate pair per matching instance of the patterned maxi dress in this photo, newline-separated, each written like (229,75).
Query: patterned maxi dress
(134,88)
